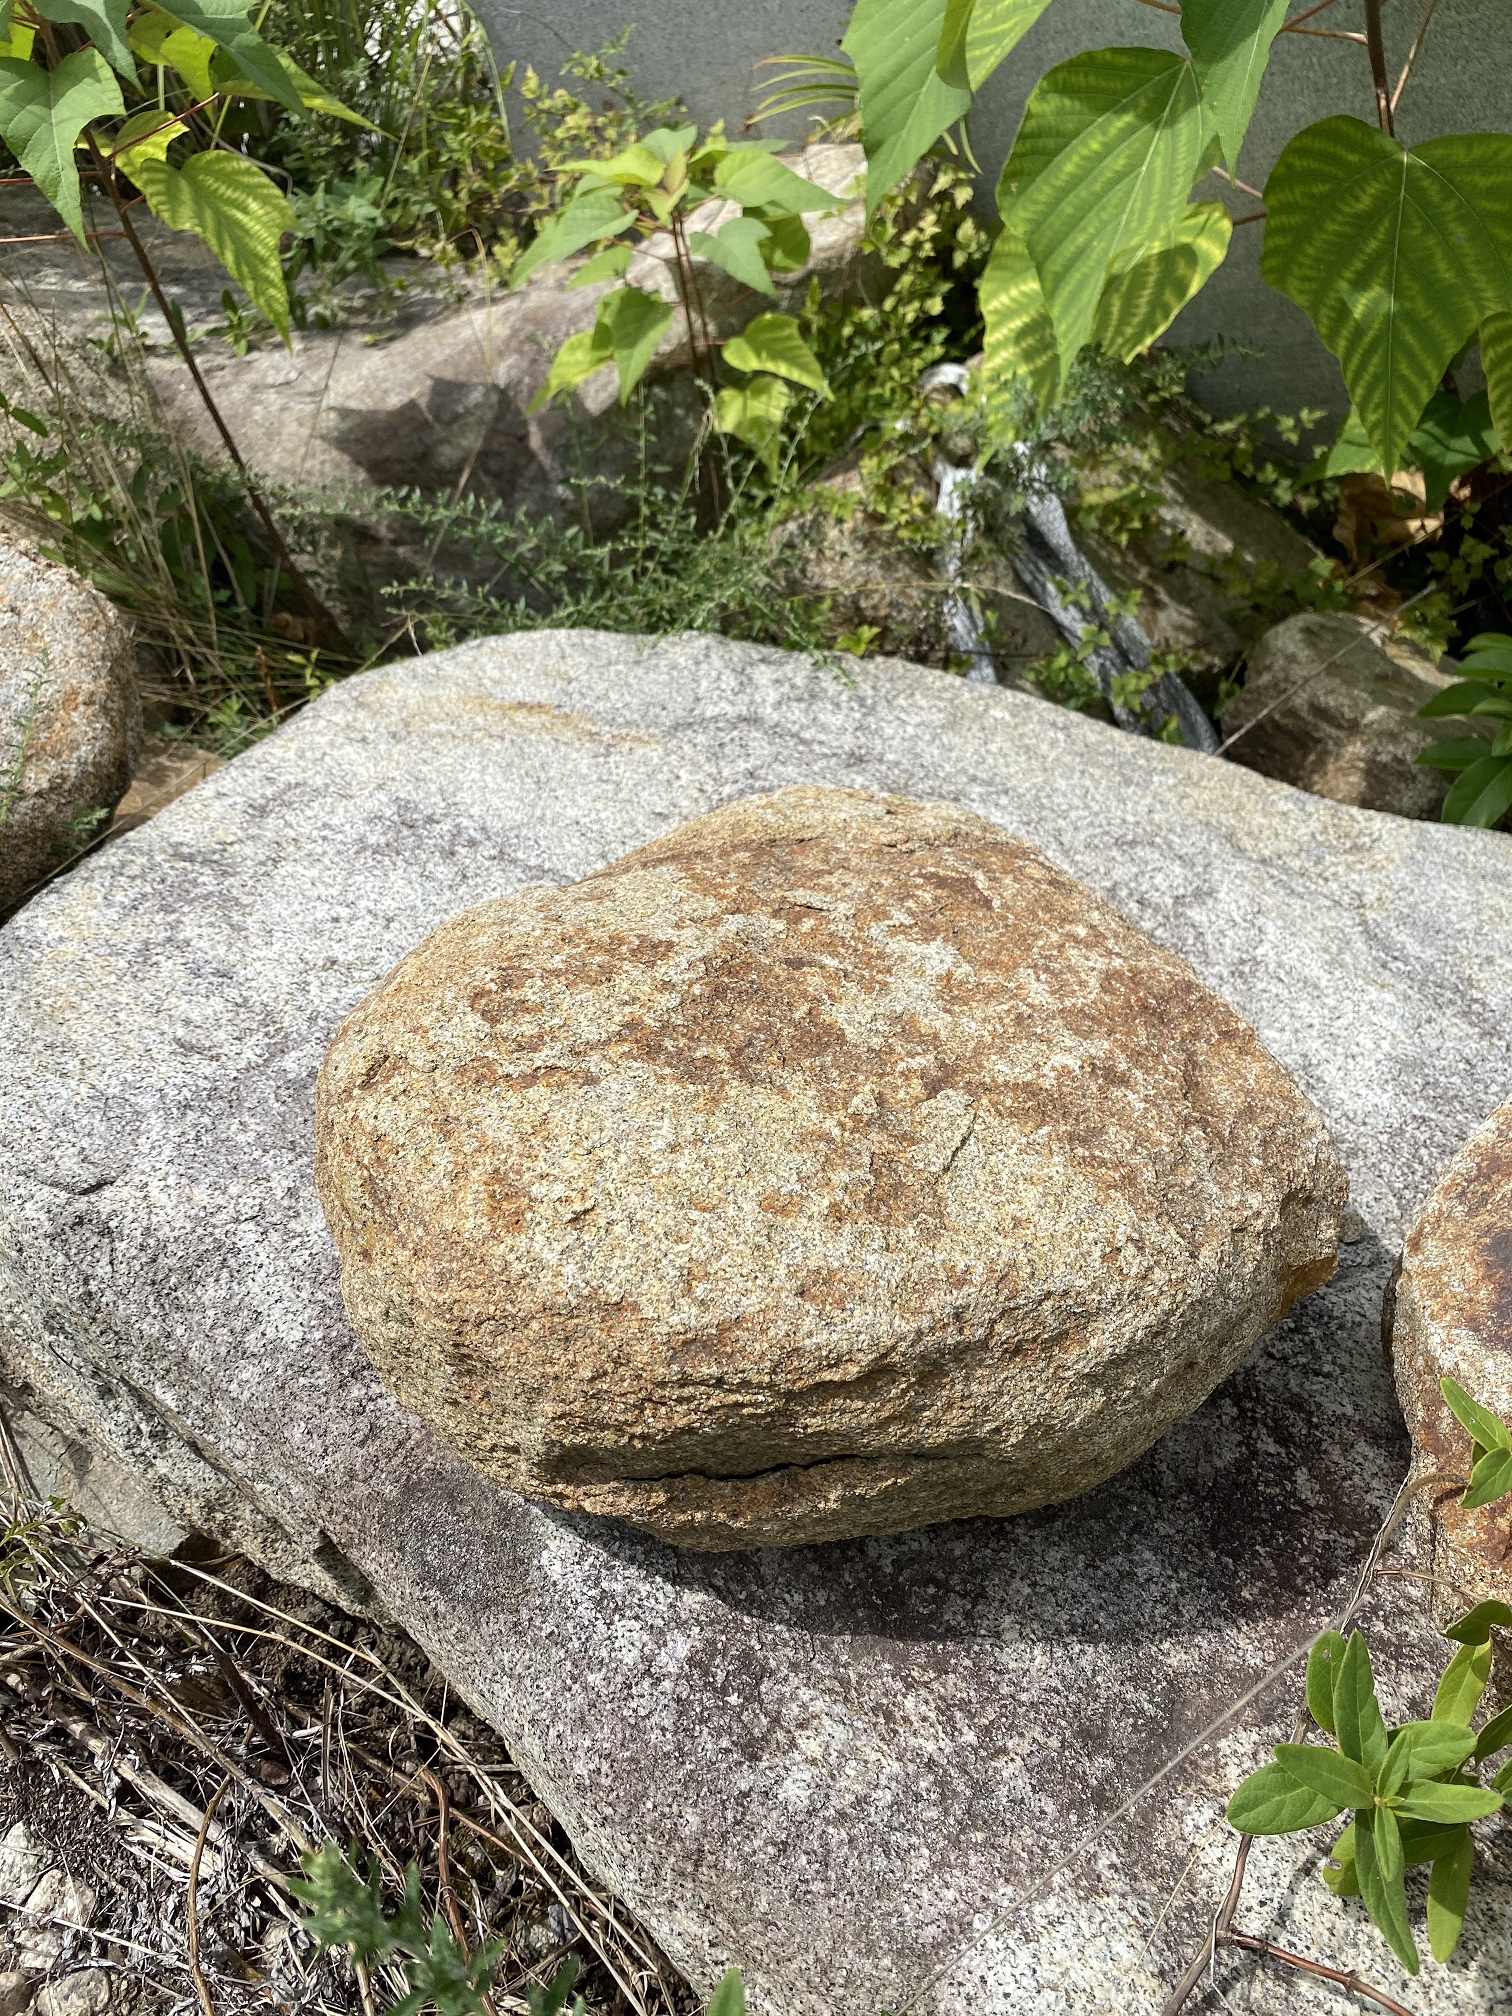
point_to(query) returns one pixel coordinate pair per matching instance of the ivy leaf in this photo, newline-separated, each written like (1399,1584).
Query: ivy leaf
(736,247)
(1465,1676)
(1357,1718)
(773,343)
(753,178)
(977,34)
(584,221)
(1448,1894)
(225,22)
(1110,145)
(1496,362)
(634,323)
(1322,1664)
(1378,1865)
(1019,357)
(104,21)
(1485,1427)
(1325,1771)
(239,211)
(1448,1805)
(728,1998)
(1476,1626)
(1271,1801)
(1398,257)
(1230,41)
(42,114)
(905,103)
(1140,303)
(753,413)
(1492,1476)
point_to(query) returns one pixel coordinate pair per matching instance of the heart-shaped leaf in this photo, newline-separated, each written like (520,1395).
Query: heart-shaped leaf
(905,103)
(1140,303)
(1230,42)
(978,34)
(773,343)
(43,113)
(239,211)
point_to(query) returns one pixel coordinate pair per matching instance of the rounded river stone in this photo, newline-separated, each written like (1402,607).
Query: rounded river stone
(833,1165)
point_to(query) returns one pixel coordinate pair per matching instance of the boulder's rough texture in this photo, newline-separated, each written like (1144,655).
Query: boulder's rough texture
(1450,1315)
(980,1765)
(1325,707)
(70,714)
(832,1165)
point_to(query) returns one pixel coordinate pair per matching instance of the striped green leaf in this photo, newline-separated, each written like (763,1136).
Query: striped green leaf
(1020,363)
(237,209)
(1496,362)
(978,34)
(1101,171)
(905,103)
(1397,256)
(1140,304)
(1230,41)
(225,22)
(103,21)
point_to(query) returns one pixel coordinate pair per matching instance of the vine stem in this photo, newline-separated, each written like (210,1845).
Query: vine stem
(327,628)
(1300,1961)
(1375,43)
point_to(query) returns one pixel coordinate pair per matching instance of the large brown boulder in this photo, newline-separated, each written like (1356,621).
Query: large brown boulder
(1450,1316)
(833,1165)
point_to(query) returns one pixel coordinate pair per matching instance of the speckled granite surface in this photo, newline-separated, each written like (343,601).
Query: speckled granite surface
(838,1766)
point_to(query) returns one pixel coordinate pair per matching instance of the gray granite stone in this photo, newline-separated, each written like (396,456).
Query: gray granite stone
(976,1765)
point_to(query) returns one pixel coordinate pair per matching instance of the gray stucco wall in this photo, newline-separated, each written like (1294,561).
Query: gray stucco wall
(707,50)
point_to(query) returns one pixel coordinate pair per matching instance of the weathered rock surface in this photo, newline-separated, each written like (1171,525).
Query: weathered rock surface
(832,1165)
(1325,707)
(982,1765)
(70,714)
(1450,1315)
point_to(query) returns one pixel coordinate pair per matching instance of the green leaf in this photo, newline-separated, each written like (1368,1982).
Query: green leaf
(773,343)
(586,219)
(1453,437)
(1424,1750)
(611,264)
(1476,1626)
(1480,796)
(146,136)
(1448,1894)
(728,1998)
(1398,257)
(226,78)
(1324,1771)
(159,39)
(104,21)
(1380,1877)
(1483,1426)
(1140,304)
(225,22)
(1322,1664)
(1345,1880)
(343,1908)
(1454,754)
(1420,1843)
(42,114)
(1100,172)
(637,167)
(753,413)
(1463,697)
(239,211)
(576,359)
(1448,1805)
(1019,357)
(736,247)
(552,1999)
(755,179)
(1492,1476)
(905,104)
(1496,362)
(1230,41)
(789,247)
(634,323)
(19,40)
(1271,1801)
(1503,1779)
(1496,1735)
(978,34)
(1357,1718)
(1489,657)
(1463,1683)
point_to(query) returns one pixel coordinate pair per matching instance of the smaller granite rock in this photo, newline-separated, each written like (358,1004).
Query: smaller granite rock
(1326,707)
(58,1909)
(70,715)
(88,1991)
(832,1165)
(1450,1315)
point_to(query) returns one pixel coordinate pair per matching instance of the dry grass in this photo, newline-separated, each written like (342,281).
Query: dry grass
(177,1733)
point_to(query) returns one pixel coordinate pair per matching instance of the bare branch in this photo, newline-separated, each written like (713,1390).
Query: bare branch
(1412,55)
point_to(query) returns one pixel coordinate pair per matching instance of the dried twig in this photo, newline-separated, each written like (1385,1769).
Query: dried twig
(1338,1975)
(201,1985)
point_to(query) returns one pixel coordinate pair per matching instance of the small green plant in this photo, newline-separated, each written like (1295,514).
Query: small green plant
(1481,794)
(649,194)
(1490,1447)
